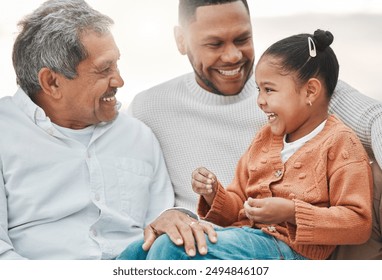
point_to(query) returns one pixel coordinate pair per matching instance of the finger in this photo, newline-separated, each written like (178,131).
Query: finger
(201,184)
(176,232)
(150,234)
(201,230)
(201,188)
(255,202)
(187,234)
(208,174)
(199,172)
(251,212)
(200,237)
(168,222)
(247,211)
(210,231)
(247,207)
(199,177)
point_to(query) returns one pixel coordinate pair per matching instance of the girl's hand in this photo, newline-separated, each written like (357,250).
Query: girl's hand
(270,210)
(204,183)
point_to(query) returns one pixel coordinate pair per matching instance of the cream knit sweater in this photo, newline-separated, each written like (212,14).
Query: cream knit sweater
(197,128)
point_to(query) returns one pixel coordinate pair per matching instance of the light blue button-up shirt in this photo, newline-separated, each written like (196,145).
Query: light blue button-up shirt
(60,199)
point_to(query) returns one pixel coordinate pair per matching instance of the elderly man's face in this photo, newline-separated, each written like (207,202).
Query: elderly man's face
(90,97)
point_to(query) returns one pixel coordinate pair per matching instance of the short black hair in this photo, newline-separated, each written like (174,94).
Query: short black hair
(187,8)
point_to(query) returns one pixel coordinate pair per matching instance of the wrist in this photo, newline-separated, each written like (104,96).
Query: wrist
(185,211)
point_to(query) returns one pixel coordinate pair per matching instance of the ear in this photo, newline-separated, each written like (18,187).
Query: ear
(49,82)
(313,90)
(180,39)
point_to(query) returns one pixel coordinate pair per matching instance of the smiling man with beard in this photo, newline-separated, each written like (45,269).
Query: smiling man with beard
(209,117)
(79,180)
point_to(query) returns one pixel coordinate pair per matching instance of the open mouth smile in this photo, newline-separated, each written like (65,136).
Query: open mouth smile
(230,73)
(271,116)
(108,99)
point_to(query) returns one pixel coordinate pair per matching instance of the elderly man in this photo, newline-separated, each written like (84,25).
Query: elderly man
(79,180)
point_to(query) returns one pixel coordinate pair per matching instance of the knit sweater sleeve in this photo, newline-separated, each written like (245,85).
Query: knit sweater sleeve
(362,114)
(347,220)
(227,203)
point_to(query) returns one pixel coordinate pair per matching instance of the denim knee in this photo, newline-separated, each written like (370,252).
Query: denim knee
(133,252)
(164,249)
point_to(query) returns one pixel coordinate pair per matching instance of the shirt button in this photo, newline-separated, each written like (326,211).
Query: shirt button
(50,131)
(93,232)
(97,197)
(40,115)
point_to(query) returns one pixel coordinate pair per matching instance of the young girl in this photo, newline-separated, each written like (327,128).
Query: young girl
(304,185)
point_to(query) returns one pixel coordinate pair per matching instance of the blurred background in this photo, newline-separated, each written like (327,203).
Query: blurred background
(144,33)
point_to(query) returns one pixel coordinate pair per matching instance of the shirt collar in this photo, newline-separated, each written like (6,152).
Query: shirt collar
(307,137)
(38,116)
(31,110)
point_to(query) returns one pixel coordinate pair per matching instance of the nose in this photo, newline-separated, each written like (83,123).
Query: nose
(261,100)
(116,80)
(232,54)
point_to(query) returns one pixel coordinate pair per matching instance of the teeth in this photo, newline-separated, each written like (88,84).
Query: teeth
(108,99)
(230,73)
(271,115)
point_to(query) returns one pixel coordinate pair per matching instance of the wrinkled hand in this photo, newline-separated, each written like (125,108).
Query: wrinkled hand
(204,183)
(182,230)
(270,210)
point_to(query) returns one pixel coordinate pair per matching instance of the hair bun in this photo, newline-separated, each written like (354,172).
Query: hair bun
(322,39)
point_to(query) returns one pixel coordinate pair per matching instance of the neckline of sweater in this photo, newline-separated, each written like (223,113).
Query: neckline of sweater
(210,98)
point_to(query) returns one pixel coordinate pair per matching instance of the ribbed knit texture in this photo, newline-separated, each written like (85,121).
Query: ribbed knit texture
(329,179)
(197,128)
(361,113)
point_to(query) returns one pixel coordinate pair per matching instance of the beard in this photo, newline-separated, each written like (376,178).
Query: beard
(212,87)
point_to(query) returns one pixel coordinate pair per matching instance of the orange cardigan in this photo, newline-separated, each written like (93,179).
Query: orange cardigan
(329,179)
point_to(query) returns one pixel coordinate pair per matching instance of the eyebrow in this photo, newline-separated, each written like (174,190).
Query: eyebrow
(100,65)
(265,83)
(216,37)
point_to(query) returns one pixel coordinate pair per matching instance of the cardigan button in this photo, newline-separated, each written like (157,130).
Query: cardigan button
(278,173)
(272,229)
(345,154)
(302,176)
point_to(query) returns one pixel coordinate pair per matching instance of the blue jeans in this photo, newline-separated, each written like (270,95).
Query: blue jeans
(233,244)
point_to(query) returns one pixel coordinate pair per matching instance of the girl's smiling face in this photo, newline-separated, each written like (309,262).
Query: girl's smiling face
(283,99)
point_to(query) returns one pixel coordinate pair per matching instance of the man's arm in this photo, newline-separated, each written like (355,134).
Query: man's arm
(361,113)
(6,248)
(161,190)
